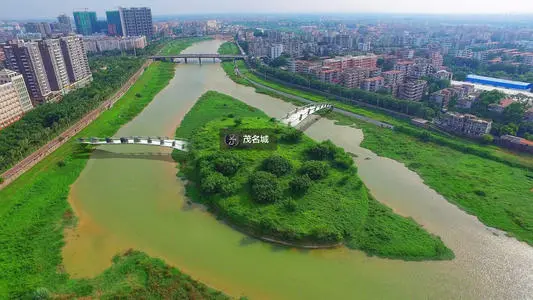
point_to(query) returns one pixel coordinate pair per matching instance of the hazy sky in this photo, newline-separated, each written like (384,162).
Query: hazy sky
(23,9)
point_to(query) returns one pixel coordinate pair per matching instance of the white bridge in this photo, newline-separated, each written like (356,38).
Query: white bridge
(152,141)
(297,115)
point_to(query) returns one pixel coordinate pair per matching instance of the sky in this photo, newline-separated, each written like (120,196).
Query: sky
(48,9)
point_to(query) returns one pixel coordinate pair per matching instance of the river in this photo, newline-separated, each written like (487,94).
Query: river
(129,197)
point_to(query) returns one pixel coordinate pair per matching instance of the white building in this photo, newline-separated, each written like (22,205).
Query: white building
(106,43)
(17,80)
(276,50)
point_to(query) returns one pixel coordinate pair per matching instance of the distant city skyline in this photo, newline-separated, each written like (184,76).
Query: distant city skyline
(37,9)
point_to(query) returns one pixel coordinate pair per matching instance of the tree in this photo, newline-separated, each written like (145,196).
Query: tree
(227,163)
(315,169)
(487,139)
(277,165)
(300,184)
(513,113)
(323,151)
(292,135)
(265,187)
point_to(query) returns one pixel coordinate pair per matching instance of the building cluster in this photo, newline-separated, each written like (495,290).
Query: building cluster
(110,43)
(40,71)
(134,21)
(464,124)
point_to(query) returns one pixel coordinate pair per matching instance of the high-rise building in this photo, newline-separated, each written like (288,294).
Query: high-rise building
(25,58)
(85,22)
(65,24)
(76,60)
(276,50)
(17,81)
(43,28)
(114,26)
(136,21)
(10,110)
(54,64)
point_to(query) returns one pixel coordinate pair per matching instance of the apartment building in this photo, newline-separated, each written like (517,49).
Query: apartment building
(326,74)
(276,50)
(17,81)
(436,60)
(393,77)
(443,97)
(353,78)
(349,62)
(373,84)
(464,124)
(10,109)
(304,66)
(25,58)
(413,90)
(404,66)
(54,64)
(136,21)
(106,43)
(76,60)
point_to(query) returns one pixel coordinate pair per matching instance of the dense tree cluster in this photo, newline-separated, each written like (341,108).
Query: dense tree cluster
(277,165)
(315,169)
(45,122)
(265,187)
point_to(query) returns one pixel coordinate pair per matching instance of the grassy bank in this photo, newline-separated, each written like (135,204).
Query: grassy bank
(497,191)
(176,46)
(34,208)
(304,193)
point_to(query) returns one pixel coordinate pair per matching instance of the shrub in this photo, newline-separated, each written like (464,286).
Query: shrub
(323,151)
(290,205)
(227,163)
(265,187)
(61,163)
(277,165)
(342,160)
(425,136)
(292,135)
(237,122)
(487,139)
(138,95)
(212,182)
(2,180)
(315,169)
(300,185)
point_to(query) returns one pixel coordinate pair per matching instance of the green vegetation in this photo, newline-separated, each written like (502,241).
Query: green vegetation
(176,46)
(46,122)
(486,181)
(228,48)
(305,193)
(134,275)
(34,212)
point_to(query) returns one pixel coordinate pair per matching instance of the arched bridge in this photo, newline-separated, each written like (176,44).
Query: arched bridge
(152,141)
(199,56)
(299,114)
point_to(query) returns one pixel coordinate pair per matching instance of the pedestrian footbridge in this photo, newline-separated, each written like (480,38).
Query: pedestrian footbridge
(151,141)
(299,114)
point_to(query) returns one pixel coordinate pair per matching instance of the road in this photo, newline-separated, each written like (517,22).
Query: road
(32,159)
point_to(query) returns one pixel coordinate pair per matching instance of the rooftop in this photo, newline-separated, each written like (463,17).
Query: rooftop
(472,76)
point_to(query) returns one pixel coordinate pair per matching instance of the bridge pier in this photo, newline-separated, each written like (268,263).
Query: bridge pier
(185,59)
(200,60)
(214,60)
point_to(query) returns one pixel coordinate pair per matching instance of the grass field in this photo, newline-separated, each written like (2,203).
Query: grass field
(335,209)
(176,46)
(34,211)
(499,194)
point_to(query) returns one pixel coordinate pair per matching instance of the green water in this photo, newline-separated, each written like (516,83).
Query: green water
(129,197)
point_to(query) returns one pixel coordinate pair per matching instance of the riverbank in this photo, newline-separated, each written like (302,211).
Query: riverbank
(34,210)
(329,207)
(502,200)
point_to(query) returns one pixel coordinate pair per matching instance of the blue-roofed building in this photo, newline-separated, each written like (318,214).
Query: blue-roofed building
(503,83)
